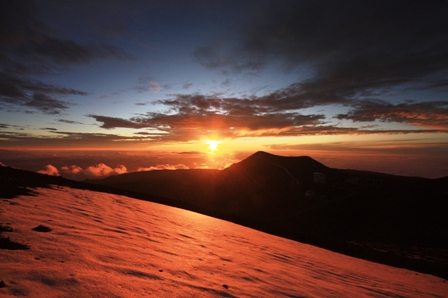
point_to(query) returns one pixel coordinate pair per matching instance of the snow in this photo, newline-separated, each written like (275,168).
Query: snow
(105,245)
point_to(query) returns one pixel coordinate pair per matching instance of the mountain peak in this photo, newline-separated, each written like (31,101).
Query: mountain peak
(266,164)
(262,155)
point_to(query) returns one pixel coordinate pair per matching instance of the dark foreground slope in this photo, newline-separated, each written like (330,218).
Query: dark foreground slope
(393,219)
(106,245)
(400,221)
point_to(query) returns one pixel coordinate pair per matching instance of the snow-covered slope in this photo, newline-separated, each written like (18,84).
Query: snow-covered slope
(104,245)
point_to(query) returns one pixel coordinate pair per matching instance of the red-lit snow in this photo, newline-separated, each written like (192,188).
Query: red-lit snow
(105,245)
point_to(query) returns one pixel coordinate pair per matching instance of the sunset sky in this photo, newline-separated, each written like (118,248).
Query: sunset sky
(362,81)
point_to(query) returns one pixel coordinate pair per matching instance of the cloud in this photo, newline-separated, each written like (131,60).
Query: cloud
(280,113)
(154,86)
(408,146)
(102,170)
(16,87)
(72,171)
(93,172)
(426,114)
(113,122)
(163,167)
(46,104)
(185,127)
(272,114)
(146,83)
(29,46)
(187,86)
(73,163)
(50,170)
(349,46)
(28,49)
(29,93)
(69,52)
(69,139)
(69,121)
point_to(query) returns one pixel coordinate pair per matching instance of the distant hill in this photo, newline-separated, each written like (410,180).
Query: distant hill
(300,197)
(259,187)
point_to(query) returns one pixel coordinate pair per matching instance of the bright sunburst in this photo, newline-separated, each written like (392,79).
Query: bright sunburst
(212,145)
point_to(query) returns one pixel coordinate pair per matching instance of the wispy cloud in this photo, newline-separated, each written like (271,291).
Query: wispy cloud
(69,121)
(187,86)
(49,128)
(163,167)
(66,139)
(147,83)
(19,91)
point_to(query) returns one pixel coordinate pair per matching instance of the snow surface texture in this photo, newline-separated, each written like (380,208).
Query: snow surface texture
(104,245)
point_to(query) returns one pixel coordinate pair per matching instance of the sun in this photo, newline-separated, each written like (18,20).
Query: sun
(212,145)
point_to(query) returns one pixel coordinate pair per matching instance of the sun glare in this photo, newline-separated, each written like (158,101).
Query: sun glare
(212,145)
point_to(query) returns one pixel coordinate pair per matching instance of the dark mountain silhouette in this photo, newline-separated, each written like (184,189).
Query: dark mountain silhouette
(261,186)
(302,199)
(396,220)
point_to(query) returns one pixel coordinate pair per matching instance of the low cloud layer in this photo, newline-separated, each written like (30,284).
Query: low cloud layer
(50,170)
(93,172)
(100,170)
(164,167)
(77,173)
